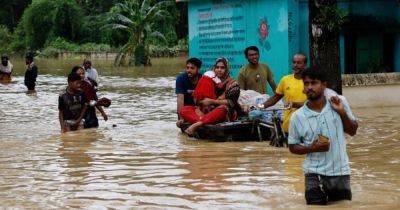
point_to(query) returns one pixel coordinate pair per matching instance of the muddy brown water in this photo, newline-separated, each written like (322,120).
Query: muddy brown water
(145,162)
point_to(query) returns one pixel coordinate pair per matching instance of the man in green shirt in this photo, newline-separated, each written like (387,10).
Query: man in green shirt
(255,75)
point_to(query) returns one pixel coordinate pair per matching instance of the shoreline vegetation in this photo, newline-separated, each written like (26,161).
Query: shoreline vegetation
(61,48)
(137,30)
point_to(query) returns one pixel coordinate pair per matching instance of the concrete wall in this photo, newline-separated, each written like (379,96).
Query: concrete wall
(373,95)
(225,28)
(372,90)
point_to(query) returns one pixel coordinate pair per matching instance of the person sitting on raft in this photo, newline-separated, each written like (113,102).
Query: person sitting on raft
(216,97)
(185,84)
(89,90)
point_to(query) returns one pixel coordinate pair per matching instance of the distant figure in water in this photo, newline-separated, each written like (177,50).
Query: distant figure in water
(90,72)
(30,74)
(5,69)
(72,105)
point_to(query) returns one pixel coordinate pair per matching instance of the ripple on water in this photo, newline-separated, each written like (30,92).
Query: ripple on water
(145,162)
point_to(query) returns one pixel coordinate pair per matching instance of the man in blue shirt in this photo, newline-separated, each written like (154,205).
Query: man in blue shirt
(185,84)
(317,130)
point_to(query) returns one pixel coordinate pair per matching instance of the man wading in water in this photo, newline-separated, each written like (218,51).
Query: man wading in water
(5,69)
(317,130)
(30,74)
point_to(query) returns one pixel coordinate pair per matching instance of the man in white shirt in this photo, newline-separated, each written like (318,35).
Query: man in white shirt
(5,69)
(90,72)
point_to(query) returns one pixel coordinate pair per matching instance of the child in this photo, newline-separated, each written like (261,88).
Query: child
(72,105)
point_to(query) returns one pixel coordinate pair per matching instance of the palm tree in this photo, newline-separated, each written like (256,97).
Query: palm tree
(137,17)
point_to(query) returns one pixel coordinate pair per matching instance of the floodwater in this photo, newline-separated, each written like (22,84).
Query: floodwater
(145,162)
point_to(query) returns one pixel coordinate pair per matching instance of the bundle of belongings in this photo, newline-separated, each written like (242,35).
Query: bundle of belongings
(250,100)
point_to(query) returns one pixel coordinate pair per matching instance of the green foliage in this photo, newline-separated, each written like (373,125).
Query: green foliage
(140,58)
(331,17)
(11,12)
(166,26)
(164,51)
(44,20)
(93,47)
(5,38)
(63,45)
(59,44)
(18,43)
(137,19)
(52,26)
(67,19)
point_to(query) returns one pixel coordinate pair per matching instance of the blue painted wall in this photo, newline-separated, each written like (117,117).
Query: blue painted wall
(238,26)
(226,27)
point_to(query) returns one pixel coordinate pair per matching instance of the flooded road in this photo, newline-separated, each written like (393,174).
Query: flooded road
(145,162)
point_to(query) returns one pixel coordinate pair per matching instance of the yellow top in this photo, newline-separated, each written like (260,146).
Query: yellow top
(292,91)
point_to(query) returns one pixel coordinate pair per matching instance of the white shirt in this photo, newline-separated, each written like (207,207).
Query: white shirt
(6,69)
(92,74)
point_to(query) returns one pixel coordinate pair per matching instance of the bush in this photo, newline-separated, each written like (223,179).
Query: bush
(50,52)
(140,57)
(44,20)
(163,51)
(59,44)
(63,45)
(94,47)
(5,39)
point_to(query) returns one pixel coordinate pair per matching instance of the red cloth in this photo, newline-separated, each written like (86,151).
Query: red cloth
(88,90)
(188,113)
(217,115)
(205,89)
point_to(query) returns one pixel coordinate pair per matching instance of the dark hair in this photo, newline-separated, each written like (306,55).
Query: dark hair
(29,56)
(75,69)
(195,61)
(304,55)
(251,48)
(314,73)
(4,57)
(72,77)
(87,61)
(224,61)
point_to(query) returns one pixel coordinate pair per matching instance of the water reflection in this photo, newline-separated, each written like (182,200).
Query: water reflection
(144,162)
(75,147)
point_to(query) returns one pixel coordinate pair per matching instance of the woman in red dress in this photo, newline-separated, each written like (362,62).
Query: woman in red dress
(216,99)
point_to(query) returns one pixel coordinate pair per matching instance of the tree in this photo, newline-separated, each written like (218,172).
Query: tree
(5,39)
(325,24)
(45,20)
(11,12)
(137,18)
